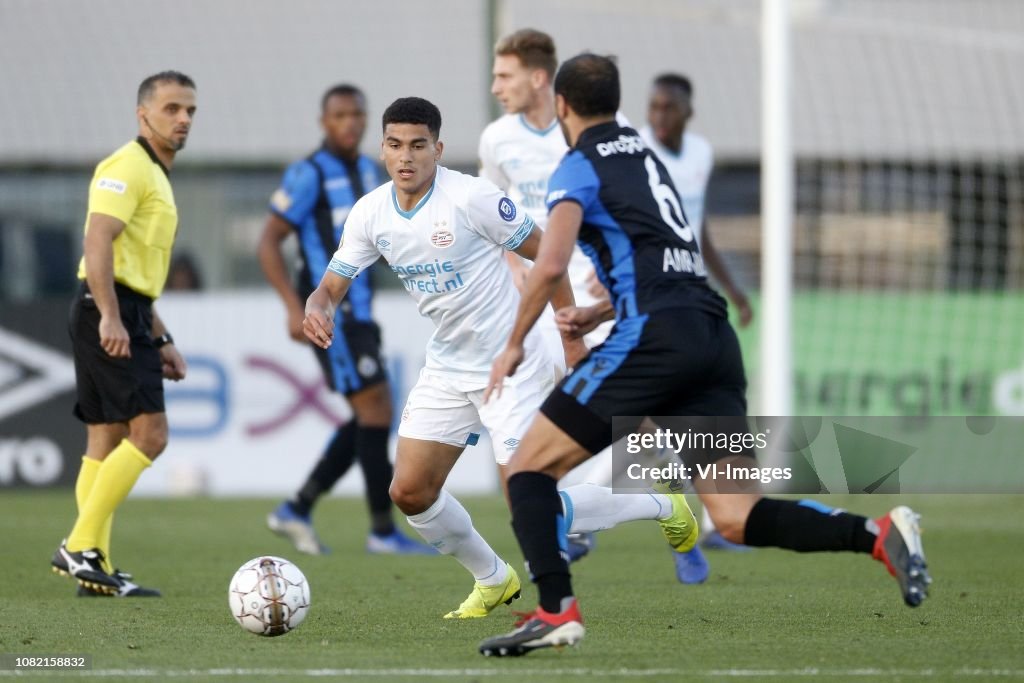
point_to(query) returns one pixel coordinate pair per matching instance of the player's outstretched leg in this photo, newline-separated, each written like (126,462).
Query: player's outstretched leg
(597,471)
(810,526)
(589,507)
(899,548)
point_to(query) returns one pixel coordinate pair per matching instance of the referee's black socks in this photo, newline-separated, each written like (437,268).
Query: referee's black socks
(539,525)
(806,526)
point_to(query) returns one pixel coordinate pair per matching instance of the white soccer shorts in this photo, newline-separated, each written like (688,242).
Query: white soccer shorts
(438,410)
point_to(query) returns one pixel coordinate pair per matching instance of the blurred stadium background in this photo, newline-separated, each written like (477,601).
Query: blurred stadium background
(908,228)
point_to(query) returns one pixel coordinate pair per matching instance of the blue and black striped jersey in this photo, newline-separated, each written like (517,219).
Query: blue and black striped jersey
(634,228)
(315,197)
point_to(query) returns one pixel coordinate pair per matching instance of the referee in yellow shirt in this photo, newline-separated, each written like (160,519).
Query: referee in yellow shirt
(122,349)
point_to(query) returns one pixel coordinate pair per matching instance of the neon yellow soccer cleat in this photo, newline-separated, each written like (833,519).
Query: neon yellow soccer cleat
(484,599)
(680,528)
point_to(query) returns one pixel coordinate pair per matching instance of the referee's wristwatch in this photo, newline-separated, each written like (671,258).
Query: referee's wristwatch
(163,340)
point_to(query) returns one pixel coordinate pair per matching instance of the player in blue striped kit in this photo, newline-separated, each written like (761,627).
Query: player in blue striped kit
(671,352)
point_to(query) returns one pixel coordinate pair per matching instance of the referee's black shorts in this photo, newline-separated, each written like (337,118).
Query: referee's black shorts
(679,361)
(112,390)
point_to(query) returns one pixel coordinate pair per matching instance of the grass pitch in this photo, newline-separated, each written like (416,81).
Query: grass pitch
(762,614)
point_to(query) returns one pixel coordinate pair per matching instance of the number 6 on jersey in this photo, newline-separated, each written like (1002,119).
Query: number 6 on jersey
(667,202)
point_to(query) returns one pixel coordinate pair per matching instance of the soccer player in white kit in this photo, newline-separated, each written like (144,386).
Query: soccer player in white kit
(519,152)
(689,159)
(444,235)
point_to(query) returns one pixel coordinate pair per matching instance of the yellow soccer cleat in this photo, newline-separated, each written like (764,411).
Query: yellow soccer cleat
(680,528)
(484,599)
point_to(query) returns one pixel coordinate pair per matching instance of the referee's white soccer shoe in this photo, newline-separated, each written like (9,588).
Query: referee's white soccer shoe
(899,548)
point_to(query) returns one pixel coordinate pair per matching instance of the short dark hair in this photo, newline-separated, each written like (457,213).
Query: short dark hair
(341,90)
(149,84)
(673,80)
(414,110)
(590,84)
(535,49)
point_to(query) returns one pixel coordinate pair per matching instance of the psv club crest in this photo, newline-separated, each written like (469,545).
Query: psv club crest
(442,237)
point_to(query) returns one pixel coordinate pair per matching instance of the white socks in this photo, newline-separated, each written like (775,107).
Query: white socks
(588,507)
(706,525)
(446,526)
(596,470)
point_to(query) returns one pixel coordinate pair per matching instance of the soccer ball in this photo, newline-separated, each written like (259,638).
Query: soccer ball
(268,596)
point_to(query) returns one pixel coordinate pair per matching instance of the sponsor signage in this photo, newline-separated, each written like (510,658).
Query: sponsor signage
(251,417)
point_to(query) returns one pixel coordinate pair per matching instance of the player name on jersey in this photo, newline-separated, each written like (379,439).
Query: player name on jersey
(683,261)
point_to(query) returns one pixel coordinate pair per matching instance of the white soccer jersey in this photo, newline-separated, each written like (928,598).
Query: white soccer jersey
(448,251)
(519,159)
(690,171)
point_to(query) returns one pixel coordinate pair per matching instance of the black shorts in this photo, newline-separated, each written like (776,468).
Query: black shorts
(354,360)
(110,389)
(678,361)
